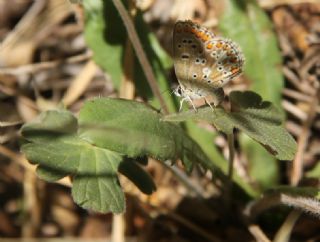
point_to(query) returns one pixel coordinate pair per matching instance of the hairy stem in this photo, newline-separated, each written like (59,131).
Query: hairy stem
(305,204)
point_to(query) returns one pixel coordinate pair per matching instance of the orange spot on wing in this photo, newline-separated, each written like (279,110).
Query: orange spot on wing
(194,31)
(198,34)
(209,46)
(226,47)
(235,70)
(205,37)
(219,45)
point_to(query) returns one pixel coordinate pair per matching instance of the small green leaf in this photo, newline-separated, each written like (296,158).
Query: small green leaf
(263,122)
(258,119)
(137,175)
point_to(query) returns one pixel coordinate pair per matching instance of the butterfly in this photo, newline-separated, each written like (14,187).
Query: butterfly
(203,62)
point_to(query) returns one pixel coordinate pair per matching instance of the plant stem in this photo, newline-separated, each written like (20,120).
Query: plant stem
(230,138)
(305,204)
(145,64)
(231,155)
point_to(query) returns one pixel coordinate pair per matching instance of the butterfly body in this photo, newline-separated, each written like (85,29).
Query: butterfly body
(203,62)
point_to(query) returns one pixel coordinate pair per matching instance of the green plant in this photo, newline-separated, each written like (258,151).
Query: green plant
(109,131)
(116,135)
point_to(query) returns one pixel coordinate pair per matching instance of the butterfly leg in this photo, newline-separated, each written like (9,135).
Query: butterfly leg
(190,100)
(181,103)
(207,102)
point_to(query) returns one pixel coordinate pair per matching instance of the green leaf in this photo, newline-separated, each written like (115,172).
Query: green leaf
(248,25)
(137,175)
(60,152)
(258,119)
(136,130)
(263,122)
(105,35)
(93,153)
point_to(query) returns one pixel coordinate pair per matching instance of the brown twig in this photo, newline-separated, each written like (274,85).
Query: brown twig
(294,110)
(36,67)
(257,233)
(297,168)
(275,3)
(283,234)
(80,83)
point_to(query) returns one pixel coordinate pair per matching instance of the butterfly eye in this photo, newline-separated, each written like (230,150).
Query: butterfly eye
(197,61)
(177,91)
(189,41)
(179,46)
(184,41)
(194,75)
(204,61)
(220,68)
(205,76)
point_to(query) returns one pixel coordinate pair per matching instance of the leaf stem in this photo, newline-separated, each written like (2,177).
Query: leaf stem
(231,155)
(140,53)
(228,197)
(184,179)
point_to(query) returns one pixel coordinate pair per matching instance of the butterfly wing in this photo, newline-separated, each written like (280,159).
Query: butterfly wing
(189,56)
(226,61)
(203,60)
